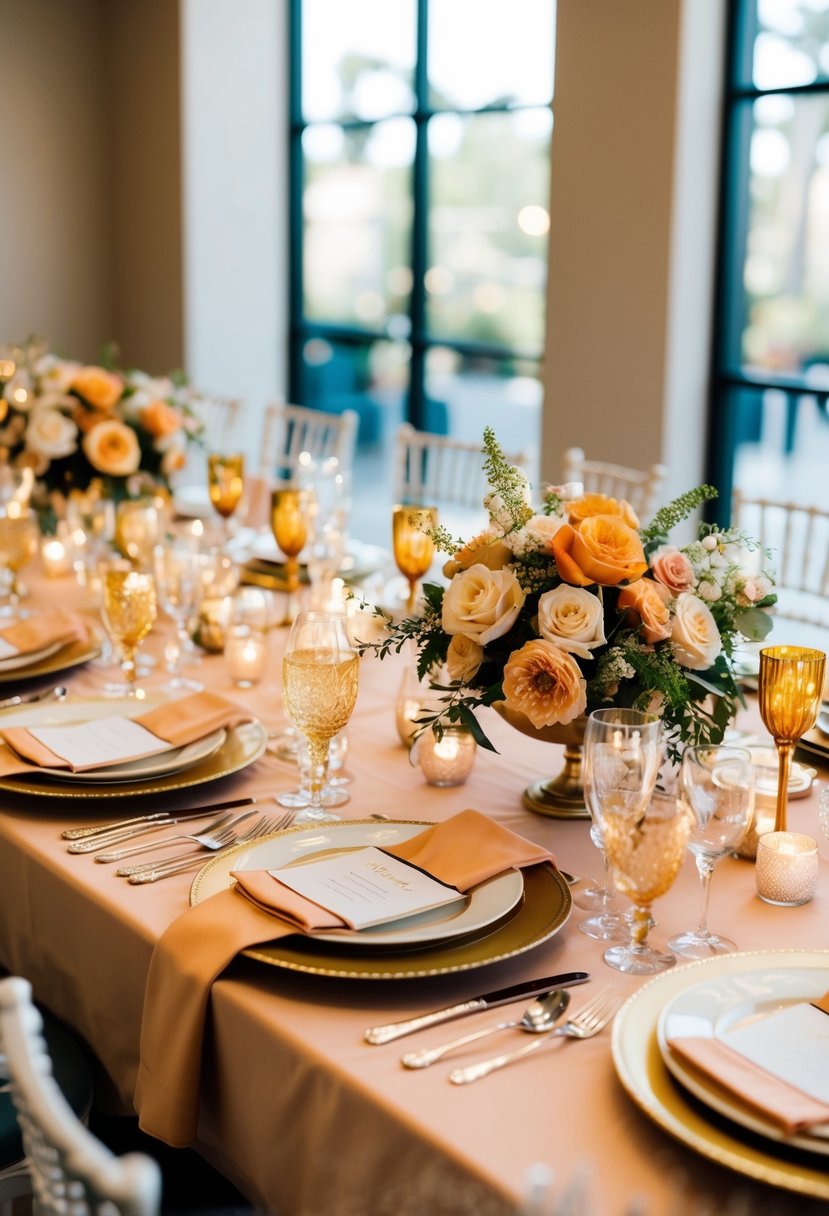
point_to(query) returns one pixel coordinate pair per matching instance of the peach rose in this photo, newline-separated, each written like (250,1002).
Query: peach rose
(648,601)
(673,569)
(601,550)
(482,604)
(486,549)
(463,658)
(99,388)
(160,419)
(601,504)
(696,639)
(112,448)
(573,619)
(544,683)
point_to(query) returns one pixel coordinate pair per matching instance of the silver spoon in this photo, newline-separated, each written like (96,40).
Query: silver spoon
(538,1018)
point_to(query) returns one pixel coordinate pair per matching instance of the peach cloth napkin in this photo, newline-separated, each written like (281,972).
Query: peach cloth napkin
(782,1103)
(177,723)
(45,629)
(196,948)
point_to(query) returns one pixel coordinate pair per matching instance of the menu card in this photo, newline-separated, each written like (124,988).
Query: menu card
(99,742)
(366,887)
(792,1044)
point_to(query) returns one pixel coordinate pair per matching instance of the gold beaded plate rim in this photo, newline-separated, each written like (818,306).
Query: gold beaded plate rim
(61,660)
(539,915)
(642,1072)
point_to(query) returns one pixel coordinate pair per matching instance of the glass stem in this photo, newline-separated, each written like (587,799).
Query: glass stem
(410,607)
(784,763)
(128,668)
(641,927)
(705,869)
(318,751)
(607,882)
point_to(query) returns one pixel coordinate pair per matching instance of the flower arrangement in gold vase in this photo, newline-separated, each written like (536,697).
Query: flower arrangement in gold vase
(79,426)
(553,612)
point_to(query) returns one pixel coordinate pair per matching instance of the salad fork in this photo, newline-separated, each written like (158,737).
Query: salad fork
(592,1018)
(152,872)
(212,838)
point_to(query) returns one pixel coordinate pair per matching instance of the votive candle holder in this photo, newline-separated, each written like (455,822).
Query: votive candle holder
(246,652)
(448,760)
(786,869)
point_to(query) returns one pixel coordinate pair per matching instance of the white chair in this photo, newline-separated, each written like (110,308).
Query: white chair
(640,487)
(436,470)
(70,1172)
(288,430)
(220,418)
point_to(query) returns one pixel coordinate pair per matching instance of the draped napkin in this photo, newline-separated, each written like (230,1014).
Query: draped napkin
(196,948)
(175,724)
(46,629)
(760,1088)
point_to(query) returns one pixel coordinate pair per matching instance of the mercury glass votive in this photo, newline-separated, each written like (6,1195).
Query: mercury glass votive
(246,652)
(786,869)
(448,760)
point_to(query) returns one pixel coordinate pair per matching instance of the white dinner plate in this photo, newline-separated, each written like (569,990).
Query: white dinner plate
(642,1071)
(159,765)
(486,904)
(16,661)
(723,1003)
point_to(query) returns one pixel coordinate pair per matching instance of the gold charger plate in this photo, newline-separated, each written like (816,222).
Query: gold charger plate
(67,656)
(642,1071)
(541,913)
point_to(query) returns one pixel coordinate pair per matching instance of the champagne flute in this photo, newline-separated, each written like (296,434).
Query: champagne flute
(622,752)
(790,690)
(289,523)
(128,613)
(178,575)
(717,785)
(413,545)
(319,674)
(226,484)
(18,544)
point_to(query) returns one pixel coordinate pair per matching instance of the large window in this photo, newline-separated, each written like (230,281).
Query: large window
(420,177)
(771,375)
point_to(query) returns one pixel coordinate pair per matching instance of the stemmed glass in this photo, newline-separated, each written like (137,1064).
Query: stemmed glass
(178,576)
(226,484)
(790,689)
(319,674)
(289,523)
(128,613)
(622,753)
(414,548)
(18,545)
(717,785)
(138,530)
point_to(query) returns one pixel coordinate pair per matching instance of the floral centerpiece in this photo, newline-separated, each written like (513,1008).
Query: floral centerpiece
(76,425)
(558,611)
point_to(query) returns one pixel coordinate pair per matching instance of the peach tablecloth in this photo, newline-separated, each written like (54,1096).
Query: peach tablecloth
(305,1117)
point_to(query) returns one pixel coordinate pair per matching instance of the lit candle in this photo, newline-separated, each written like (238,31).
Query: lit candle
(55,558)
(787,868)
(245,652)
(449,760)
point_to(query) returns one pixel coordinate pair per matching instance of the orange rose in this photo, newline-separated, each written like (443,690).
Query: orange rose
(486,549)
(601,550)
(648,601)
(545,684)
(98,388)
(600,504)
(160,419)
(112,448)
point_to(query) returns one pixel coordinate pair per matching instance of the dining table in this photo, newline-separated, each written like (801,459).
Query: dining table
(302,1114)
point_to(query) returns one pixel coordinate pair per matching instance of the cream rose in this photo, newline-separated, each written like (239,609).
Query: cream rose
(536,534)
(51,434)
(694,634)
(482,604)
(572,619)
(112,448)
(463,658)
(544,684)
(672,569)
(488,549)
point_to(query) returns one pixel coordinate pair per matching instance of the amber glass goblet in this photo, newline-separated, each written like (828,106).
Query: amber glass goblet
(790,688)
(225,483)
(413,544)
(289,523)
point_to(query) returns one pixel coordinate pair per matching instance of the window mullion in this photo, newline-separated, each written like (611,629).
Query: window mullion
(420,222)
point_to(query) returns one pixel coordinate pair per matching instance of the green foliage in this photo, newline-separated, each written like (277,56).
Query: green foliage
(667,518)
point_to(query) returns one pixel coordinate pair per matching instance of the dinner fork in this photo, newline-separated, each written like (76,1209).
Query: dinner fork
(212,838)
(592,1018)
(152,873)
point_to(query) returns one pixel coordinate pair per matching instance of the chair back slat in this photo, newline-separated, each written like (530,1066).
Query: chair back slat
(642,488)
(289,430)
(795,550)
(437,470)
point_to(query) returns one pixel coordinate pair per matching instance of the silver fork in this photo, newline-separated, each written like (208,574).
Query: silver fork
(265,826)
(214,837)
(589,1020)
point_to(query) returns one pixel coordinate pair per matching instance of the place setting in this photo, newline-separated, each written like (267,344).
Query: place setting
(45,643)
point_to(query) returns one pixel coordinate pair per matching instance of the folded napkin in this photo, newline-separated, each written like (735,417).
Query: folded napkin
(174,724)
(197,947)
(37,632)
(761,1088)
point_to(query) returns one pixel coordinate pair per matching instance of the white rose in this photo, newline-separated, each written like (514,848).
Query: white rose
(463,658)
(56,375)
(535,535)
(482,604)
(50,433)
(573,619)
(709,591)
(695,637)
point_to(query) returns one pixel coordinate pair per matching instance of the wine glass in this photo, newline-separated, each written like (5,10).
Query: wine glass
(413,545)
(289,523)
(138,530)
(128,612)
(19,535)
(622,752)
(790,689)
(319,675)
(178,577)
(226,484)
(330,795)
(717,785)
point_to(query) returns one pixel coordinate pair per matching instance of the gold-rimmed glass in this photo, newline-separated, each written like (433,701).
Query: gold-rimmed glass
(790,690)
(414,548)
(128,612)
(289,522)
(225,483)
(19,534)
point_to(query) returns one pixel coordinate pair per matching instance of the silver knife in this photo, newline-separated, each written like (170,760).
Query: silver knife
(487,1000)
(163,817)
